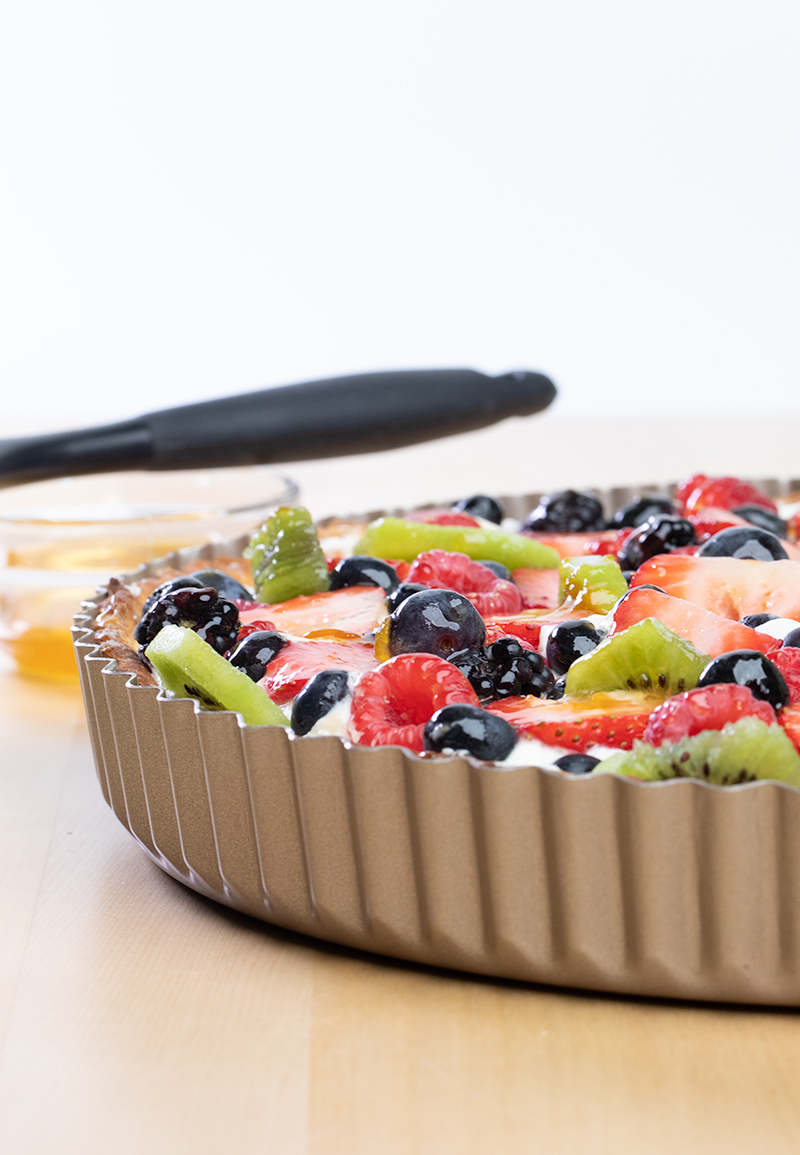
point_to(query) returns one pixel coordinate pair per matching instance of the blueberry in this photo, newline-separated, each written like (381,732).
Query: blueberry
(213,618)
(403,591)
(559,687)
(470,730)
(178,583)
(568,641)
(792,639)
(255,652)
(748,668)
(481,506)
(640,510)
(566,512)
(317,698)
(755,620)
(364,571)
(225,585)
(501,570)
(659,534)
(763,518)
(577,763)
(744,541)
(439,622)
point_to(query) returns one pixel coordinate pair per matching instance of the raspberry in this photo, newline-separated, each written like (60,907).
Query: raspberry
(392,704)
(711,519)
(443,570)
(709,708)
(788,662)
(725,492)
(251,628)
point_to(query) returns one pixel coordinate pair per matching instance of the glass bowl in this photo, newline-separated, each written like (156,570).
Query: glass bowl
(60,539)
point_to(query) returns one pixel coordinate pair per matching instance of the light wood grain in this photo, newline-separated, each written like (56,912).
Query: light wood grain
(136,1016)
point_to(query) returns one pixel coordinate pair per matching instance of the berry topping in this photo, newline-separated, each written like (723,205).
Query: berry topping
(440,569)
(710,520)
(287,558)
(403,591)
(225,585)
(729,586)
(707,708)
(392,704)
(481,506)
(744,541)
(710,633)
(660,534)
(504,669)
(566,512)
(502,571)
(317,698)
(348,613)
(361,570)
(256,651)
(764,518)
(178,583)
(577,763)
(568,641)
(641,509)
(756,620)
(213,618)
(604,719)
(465,729)
(300,659)
(437,622)
(647,656)
(725,492)
(792,639)
(751,669)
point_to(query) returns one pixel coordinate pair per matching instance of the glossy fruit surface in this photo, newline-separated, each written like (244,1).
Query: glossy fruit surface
(732,587)
(569,641)
(566,512)
(504,669)
(660,534)
(214,619)
(255,652)
(726,492)
(392,704)
(466,729)
(481,506)
(538,587)
(361,570)
(577,763)
(490,594)
(438,622)
(403,591)
(744,541)
(752,669)
(443,517)
(601,719)
(225,585)
(287,558)
(502,571)
(300,659)
(317,698)
(591,585)
(708,708)
(647,657)
(754,621)
(708,632)
(395,537)
(641,509)
(764,518)
(348,613)
(178,583)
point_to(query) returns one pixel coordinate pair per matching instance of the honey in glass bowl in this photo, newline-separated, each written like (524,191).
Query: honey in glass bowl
(60,539)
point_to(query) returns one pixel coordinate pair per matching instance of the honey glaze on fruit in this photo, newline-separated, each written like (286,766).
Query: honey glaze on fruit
(655,643)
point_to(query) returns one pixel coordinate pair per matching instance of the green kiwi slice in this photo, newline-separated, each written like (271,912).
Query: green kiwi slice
(647,656)
(741,751)
(190,668)
(286,557)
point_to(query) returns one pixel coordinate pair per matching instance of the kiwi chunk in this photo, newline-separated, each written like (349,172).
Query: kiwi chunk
(741,751)
(190,668)
(647,656)
(591,584)
(286,557)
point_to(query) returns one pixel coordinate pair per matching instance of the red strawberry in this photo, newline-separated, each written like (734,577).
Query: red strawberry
(538,587)
(527,626)
(787,659)
(299,660)
(392,704)
(603,719)
(584,544)
(711,519)
(710,633)
(789,718)
(442,569)
(729,586)
(726,492)
(709,708)
(443,517)
(351,613)
(252,628)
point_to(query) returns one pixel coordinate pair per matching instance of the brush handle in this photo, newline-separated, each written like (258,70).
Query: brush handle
(344,415)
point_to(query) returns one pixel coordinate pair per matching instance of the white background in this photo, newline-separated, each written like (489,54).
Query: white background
(200,198)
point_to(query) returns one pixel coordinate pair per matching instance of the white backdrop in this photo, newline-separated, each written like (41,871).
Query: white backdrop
(199,198)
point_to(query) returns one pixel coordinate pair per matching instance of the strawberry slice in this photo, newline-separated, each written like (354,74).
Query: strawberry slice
(443,517)
(709,708)
(725,492)
(527,626)
(789,718)
(604,541)
(444,569)
(787,659)
(711,519)
(538,587)
(352,612)
(730,586)
(708,632)
(300,659)
(392,704)
(604,719)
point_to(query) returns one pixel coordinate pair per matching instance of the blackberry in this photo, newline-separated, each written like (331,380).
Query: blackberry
(255,652)
(178,583)
(214,619)
(469,730)
(566,512)
(481,506)
(504,669)
(361,570)
(640,510)
(660,534)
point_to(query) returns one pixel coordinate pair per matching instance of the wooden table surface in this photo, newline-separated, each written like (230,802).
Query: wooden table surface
(136,1016)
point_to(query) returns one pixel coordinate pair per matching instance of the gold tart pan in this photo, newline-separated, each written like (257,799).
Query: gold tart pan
(677,889)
